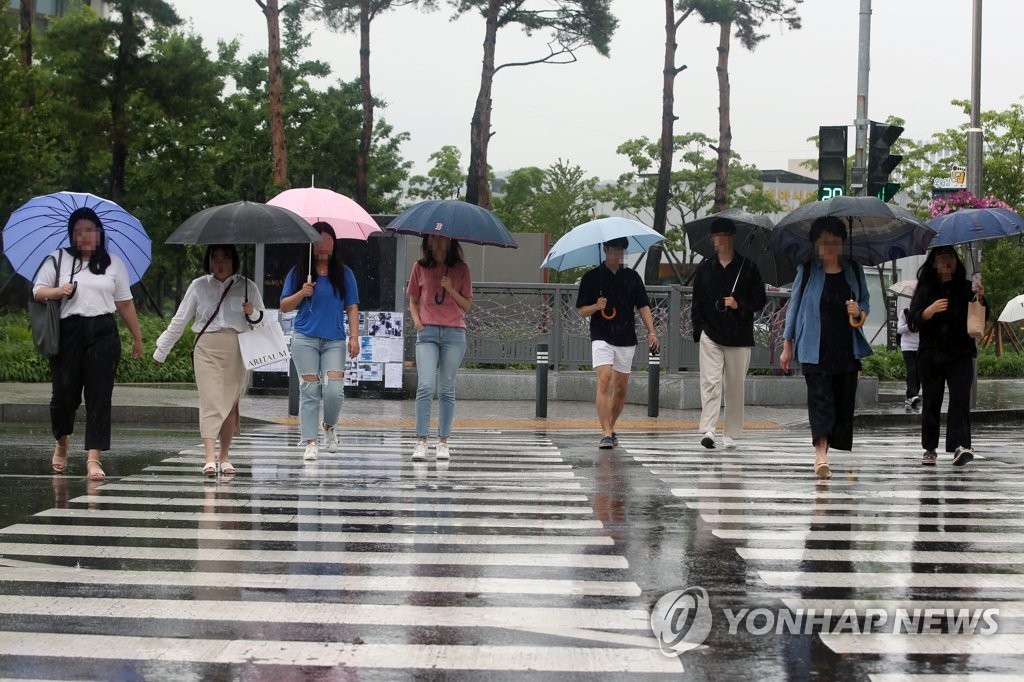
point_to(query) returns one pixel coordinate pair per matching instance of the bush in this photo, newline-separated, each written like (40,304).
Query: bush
(19,361)
(888,365)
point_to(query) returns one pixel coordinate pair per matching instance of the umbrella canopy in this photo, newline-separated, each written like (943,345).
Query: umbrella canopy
(244,222)
(456,220)
(876,231)
(315,204)
(904,287)
(975,224)
(581,245)
(40,227)
(753,240)
(1014,310)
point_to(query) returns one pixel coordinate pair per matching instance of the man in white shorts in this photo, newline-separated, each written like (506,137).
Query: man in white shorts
(607,295)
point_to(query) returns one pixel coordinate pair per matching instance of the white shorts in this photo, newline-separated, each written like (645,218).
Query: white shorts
(619,357)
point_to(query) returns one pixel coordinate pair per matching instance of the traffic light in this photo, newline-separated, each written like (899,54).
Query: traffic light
(881,163)
(831,162)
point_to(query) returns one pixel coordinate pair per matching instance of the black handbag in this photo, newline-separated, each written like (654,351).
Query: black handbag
(44,318)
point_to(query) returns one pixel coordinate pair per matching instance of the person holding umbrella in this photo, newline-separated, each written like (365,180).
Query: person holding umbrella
(96,283)
(607,295)
(727,292)
(219,304)
(938,312)
(821,332)
(440,294)
(323,301)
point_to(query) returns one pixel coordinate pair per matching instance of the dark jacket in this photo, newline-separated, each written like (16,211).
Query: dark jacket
(946,332)
(625,291)
(711,284)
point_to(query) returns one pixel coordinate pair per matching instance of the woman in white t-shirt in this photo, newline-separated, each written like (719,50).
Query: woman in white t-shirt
(92,284)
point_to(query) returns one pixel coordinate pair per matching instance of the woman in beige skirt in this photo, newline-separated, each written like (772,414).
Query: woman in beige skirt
(220,307)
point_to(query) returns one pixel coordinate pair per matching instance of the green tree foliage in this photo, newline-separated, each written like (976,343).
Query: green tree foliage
(445,178)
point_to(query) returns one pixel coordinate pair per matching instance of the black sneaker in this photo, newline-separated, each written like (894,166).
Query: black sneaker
(928,458)
(615,439)
(915,402)
(607,443)
(708,440)
(962,456)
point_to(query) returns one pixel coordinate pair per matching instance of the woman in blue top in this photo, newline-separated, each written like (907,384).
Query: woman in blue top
(323,300)
(827,294)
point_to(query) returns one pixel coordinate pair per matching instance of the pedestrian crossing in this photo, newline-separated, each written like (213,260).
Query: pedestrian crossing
(363,563)
(925,546)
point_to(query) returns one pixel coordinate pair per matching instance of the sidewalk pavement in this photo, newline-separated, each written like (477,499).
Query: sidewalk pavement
(1000,401)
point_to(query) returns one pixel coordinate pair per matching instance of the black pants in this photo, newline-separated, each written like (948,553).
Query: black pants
(913,378)
(90,351)
(938,371)
(830,402)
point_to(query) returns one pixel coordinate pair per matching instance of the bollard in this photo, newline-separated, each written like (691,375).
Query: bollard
(542,380)
(653,384)
(293,390)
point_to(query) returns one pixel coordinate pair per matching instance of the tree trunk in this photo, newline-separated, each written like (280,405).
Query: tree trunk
(724,124)
(275,87)
(118,105)
(668,119)
(28,12)
(478,188)
(366,132)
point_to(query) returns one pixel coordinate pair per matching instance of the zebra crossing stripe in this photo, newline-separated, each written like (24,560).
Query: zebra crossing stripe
(868,536)
(807,520)
(343,655)
(891,556)
(1007,609)
(808,507)
(967,581)
(941,644)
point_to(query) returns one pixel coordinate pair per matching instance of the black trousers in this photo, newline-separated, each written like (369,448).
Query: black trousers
(913,378)
(90,351)
(830,402)
(940,370)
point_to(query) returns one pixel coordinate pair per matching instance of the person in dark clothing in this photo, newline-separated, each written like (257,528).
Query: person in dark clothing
(607,295)
(827,294)
(727,292)
(945,355)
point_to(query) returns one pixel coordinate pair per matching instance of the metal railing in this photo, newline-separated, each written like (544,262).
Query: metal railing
(508,320)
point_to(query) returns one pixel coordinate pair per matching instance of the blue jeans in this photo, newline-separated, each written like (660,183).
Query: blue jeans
(439,352)
(318,356)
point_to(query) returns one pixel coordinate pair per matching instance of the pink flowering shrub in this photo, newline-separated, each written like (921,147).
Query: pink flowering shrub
(964,199)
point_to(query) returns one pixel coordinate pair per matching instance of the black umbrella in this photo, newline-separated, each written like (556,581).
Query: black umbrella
(454,219)
(753,238)
(245,222)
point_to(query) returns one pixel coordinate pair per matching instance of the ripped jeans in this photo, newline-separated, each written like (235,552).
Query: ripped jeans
(318,356)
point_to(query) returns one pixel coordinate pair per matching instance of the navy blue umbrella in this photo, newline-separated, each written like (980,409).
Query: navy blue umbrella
(454,219)
(975,224)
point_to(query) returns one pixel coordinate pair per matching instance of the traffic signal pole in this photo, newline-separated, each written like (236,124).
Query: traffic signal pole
(858,180)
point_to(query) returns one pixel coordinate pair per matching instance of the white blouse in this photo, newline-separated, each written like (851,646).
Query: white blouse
(199,304)
(95,294)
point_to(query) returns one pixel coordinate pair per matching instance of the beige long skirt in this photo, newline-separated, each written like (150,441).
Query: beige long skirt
(220,377)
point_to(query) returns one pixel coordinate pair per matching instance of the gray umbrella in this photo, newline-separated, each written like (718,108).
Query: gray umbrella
(244,222)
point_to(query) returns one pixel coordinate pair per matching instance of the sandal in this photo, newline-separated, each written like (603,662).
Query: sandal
(97,473)
(60,459)
(822,471)
(210,469)
(227,468)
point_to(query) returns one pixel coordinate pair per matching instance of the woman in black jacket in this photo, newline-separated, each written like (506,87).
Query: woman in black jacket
(946,352)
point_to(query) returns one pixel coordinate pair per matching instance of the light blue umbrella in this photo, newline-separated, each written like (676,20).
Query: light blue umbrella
(581,246)
(40,227)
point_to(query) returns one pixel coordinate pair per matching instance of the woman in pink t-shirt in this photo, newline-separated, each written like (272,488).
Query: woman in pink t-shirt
(440,294)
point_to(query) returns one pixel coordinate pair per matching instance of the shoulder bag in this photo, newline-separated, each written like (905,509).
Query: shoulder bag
(44,318)
(263,345)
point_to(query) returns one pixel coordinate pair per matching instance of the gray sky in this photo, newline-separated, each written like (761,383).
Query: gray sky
(427,68)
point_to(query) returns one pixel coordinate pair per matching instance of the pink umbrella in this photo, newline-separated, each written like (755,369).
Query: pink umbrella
(316,204)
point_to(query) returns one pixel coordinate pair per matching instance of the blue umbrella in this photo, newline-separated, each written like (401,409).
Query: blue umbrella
(975,224)
(876,231)
(454,219)
(581,246)
(40,227)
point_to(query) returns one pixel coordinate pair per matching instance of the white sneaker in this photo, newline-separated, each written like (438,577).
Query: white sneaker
(312,452)
(442,451)
(332,439)
(708,440)
(730,443)
(420,451)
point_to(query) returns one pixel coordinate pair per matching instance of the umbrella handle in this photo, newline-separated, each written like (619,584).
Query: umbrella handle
(858,322)
(606,316)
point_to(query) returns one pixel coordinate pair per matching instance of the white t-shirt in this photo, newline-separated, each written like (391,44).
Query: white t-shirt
(95,295)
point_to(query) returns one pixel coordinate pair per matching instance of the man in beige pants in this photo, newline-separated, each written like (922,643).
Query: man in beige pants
(727,292)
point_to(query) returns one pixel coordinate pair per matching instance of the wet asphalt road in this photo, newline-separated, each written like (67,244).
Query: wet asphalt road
(530,556)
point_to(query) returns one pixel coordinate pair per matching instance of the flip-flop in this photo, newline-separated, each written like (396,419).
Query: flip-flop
(97,473)
(59,462)
(822,471)
(227,468)
(210,469)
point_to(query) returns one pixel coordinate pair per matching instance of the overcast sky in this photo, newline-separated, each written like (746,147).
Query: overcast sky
(427,69)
